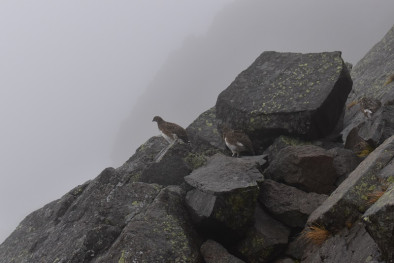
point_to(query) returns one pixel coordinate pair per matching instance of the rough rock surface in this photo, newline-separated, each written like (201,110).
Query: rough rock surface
(307,167)
(287,93)
(158,162)
(369,76)
(265,240)
(353,245)
(288,204)
(86,224)
(225,191)
(344,162)
(379,220)
(350,199)
(213,252)
(204,133)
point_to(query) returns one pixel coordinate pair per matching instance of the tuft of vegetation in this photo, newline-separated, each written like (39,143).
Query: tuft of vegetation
(315,234)
(365,151)
(374,196)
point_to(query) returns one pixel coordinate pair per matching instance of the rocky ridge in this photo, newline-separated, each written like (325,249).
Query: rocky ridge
(302,198)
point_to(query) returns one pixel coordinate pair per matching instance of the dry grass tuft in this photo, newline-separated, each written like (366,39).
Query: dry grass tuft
(352,104)
(315,234)
(374,196)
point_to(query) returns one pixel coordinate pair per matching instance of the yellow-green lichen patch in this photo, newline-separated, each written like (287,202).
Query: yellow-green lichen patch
(237,208)
(122,258)
(195,160)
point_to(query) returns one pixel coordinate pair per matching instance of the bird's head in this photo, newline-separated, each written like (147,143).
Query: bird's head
(157,119)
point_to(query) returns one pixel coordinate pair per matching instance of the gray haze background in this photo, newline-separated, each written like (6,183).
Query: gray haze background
(80,81)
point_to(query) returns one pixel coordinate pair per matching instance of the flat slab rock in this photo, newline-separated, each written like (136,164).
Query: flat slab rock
(287,93)
(223,174)
(225,192)
(347,203)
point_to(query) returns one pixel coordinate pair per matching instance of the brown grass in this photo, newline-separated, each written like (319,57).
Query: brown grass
(374,196)
(351,104)
(315,234)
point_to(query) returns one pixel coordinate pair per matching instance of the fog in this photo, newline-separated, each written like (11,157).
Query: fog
(81,80)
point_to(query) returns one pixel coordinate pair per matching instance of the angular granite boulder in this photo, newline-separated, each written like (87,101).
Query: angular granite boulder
(265,240)
(224,195)
(307,167)
(204,133)
(158,162)
(287,93)
(106,220)
(288,204)
(379,219)
(347,203)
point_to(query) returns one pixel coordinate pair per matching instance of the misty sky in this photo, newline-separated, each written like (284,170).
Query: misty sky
(80,80)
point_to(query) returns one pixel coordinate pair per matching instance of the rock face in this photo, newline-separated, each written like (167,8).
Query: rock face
(369,77)
(351,197)
(353,245)
(288,204)
(265,240)
(287,93)
(166,200)
(87,224)
(225,193)
(379,219)
(307,167)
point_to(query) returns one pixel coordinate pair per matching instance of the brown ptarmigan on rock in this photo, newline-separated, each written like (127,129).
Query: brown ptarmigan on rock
(237,141)
(368,106)
(171,131)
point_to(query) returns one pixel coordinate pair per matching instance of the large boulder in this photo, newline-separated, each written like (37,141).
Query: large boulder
(86,224)
(204,133)
(287,93)
(347,203)
(224,194)
(288,204)
(265,240)
(307,167)
(379,220)
(158,162)
(369,77)
(162,233)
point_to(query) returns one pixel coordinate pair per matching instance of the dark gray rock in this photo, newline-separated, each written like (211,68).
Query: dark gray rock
(287,204)
(353,245)
(287,93)
(379,219)
(170,168)
(345,161)
(158,162)
(350,199)
(265,240)
(282,142)
(284,260)
(204,133)
(369,76)
(307,167)
(86,223)
(213,252)
(162,233)
(225,192)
